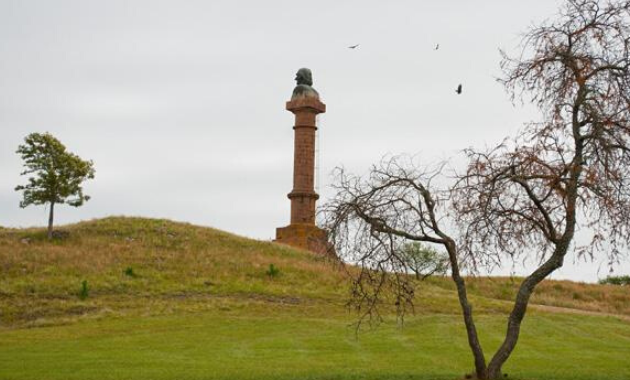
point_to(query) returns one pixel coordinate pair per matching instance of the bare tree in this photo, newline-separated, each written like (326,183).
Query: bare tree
(528,194)
(570,170)
(371,220)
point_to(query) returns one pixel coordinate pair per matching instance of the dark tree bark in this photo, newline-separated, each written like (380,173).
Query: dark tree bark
(481,369)
(50,220)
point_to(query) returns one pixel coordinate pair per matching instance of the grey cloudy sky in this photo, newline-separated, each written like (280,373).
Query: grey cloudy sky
(181,103)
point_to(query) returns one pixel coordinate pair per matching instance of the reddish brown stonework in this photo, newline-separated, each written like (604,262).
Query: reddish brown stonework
(305,236)
(302,232)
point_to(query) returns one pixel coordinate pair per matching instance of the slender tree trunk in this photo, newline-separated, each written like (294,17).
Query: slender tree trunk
(471,330)
(555,261)
(527,286)
(50,220)
(520,307)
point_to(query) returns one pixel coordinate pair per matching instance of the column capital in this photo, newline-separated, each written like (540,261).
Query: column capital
(312,105)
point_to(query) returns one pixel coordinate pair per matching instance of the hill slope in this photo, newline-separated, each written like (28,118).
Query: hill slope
(148,266)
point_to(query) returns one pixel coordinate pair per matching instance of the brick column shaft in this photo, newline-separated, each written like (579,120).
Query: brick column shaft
(303,195)
(302,231)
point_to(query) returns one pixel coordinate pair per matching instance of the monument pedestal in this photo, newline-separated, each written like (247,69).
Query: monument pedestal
(305,236)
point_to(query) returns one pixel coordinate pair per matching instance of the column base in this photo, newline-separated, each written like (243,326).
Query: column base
(305,236)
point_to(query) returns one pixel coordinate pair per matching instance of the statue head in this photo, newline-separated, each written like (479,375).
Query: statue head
(304,79)
(304,76)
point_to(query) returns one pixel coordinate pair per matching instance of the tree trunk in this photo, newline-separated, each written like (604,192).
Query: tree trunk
(520,307)
(555,261)
(50,220)
(471,330)
(557,258)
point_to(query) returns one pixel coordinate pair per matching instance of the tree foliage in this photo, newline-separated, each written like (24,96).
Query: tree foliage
(55,175)
(424,260)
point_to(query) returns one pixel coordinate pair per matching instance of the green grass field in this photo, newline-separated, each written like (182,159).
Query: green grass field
(199,304)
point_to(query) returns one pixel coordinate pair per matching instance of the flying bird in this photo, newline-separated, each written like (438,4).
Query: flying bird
(459,90)
(353,46)
(437,46)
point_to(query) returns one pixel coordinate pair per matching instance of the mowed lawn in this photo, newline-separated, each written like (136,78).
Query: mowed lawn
(294,346)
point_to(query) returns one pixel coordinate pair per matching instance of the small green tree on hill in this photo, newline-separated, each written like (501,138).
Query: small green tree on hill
(57,174)
(423,260)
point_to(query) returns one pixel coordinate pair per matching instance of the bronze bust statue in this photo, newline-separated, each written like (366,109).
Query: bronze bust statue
(304,79)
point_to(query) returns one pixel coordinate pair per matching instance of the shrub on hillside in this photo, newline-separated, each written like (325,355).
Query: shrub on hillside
(615,280)
(84,292)
(129,272)
(272,271)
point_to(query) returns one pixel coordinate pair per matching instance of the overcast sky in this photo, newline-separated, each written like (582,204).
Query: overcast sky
(180,104)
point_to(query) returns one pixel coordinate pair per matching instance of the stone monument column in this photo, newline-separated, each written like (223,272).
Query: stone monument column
(303,195)
(302,231)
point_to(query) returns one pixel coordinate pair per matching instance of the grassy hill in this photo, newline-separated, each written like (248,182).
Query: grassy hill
(167,300)
(147,266)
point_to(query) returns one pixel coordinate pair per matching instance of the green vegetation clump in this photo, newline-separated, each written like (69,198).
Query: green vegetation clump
(129,272)
(85,290)
(616,280)
(272,271)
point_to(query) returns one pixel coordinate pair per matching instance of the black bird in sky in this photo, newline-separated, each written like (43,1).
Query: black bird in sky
(437,46)
(353,46)
(459,90)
